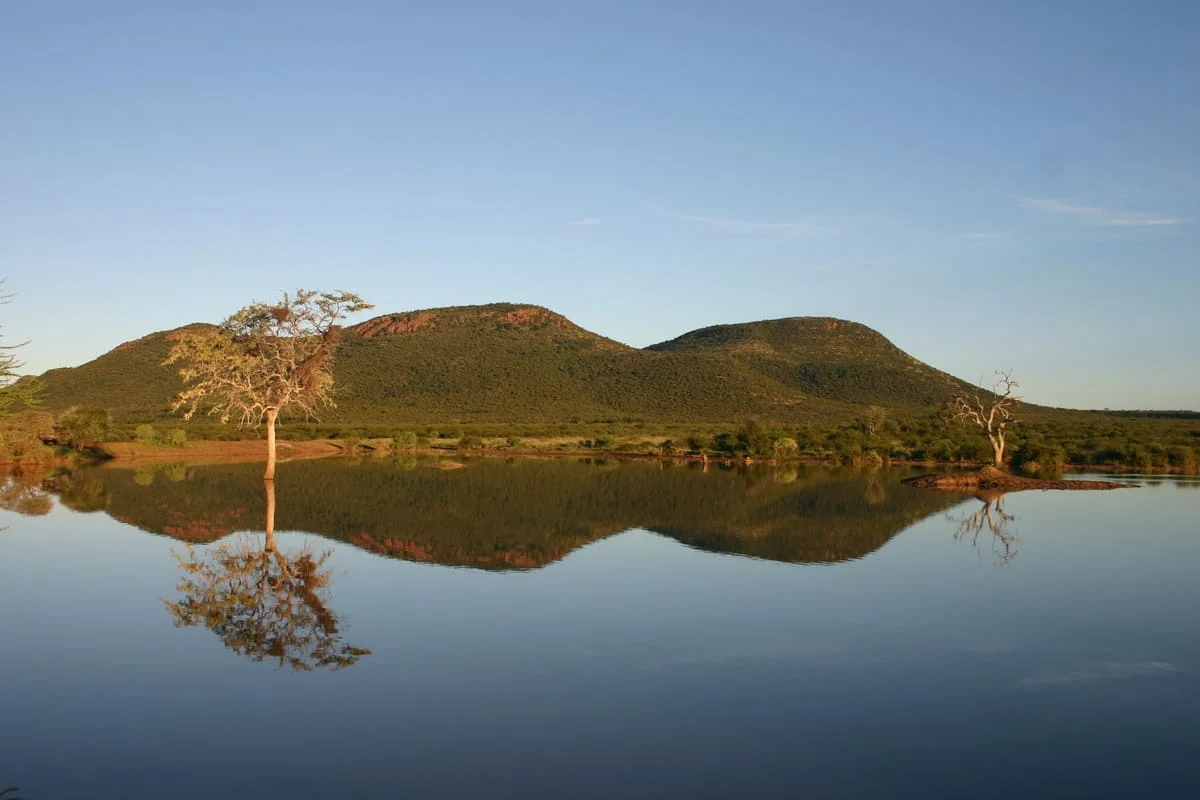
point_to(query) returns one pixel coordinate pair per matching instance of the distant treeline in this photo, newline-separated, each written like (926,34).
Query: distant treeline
(1150,414)
(1045,442)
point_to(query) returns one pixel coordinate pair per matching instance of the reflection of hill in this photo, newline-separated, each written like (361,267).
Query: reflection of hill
(525,514)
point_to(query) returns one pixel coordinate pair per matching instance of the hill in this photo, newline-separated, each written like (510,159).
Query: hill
(521,363)
(823,357)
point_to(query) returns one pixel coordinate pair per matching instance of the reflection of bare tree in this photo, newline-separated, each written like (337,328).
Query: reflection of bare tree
(24,493)
(989,517)
(264,604)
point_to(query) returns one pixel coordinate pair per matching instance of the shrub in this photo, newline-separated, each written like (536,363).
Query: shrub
(145,434)
(83,426)
(21,434)
(784,446)
(1182,457)
(177,437)
(405,440)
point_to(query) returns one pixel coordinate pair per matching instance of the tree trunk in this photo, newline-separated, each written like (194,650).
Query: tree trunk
(272,413)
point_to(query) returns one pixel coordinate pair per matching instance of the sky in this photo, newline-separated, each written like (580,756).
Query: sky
(990,185)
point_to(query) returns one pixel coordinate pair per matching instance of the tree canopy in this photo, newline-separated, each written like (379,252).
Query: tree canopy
(266,357)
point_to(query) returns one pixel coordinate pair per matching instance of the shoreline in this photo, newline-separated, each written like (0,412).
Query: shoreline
(121,454)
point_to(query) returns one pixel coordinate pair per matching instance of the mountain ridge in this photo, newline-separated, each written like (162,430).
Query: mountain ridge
(518,362)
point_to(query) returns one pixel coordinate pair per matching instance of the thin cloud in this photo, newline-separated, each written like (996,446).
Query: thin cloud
(1098,215)
(1104,673)
(810,227)
(982,236)
(586,221)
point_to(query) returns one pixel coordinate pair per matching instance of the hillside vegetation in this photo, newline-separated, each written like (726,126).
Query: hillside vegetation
(816,387)
(519,363)
(823,357)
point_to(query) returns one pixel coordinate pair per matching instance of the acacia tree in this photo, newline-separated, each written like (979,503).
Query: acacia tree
(991,411)
(266,359)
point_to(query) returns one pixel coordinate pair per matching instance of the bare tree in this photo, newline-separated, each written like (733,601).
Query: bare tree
(266,359)
(990,411)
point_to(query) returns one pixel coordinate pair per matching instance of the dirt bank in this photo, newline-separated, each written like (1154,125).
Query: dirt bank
(202,452)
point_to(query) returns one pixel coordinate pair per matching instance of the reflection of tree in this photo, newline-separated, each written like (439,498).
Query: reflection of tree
(989,517)
(24,493)
(81,491)
(264,604)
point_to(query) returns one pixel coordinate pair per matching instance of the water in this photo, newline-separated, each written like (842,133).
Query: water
(564,629)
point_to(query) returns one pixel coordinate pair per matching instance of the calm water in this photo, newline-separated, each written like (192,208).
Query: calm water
(561,629)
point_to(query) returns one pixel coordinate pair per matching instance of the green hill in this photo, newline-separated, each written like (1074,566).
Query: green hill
(129,380)
(507,363)
(823,357)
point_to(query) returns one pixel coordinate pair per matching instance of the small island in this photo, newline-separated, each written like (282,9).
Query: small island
(991,479)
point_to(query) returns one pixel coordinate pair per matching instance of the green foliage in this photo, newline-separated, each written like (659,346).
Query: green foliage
(81,427)
(784,447)
(176,437)
(405,440)
(754,440)
(22,435)
(145,434)
(1039,455)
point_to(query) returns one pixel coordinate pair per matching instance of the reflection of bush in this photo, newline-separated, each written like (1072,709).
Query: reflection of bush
(405,461)
(785,475)
(81,491)
(176,472)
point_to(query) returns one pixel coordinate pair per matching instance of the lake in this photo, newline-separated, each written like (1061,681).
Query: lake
(591,629)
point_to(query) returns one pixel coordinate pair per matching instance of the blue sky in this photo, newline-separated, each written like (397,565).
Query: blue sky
(991,185)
